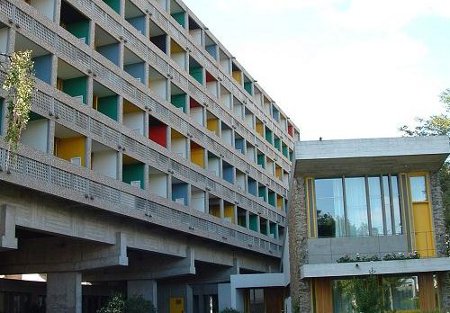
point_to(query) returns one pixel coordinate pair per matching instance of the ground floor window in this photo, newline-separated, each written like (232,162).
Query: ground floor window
(375,294)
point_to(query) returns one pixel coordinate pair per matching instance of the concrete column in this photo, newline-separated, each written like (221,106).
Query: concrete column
(64,292)
(148,289)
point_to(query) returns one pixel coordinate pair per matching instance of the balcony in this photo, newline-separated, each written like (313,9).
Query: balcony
(389,254)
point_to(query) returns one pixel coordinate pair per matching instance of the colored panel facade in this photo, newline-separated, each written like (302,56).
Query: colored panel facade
(71,149)
(76,87)
(80,30)
(133,174)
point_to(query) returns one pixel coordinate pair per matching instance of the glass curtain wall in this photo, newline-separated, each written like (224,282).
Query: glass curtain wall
(357,206)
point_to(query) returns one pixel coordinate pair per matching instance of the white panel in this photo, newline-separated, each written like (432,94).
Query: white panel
(212,87)
(3,39)
(158,184)
(197,115)
(105,163)
(198,200)
(214,166)
(179,147)
(196,35)
(227,136)
(46,7)
(36,135)
(180,59)
(134,121)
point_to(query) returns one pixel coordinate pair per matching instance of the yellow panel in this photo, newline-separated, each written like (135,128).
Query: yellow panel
(175,48)
(278,172)
(176,135)
(260,129)
(129,107)
(68,148)
(214,211)
(423,230)
(423,223)
(279,202)
(95,103)
(198,156)
(323,294)
(229,213)
(177,305)
(237,75)
(427,300)
(59,84)
(213,125)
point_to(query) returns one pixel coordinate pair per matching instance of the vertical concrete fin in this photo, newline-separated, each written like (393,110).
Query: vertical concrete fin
(121,248)
(8,238)
(190,257)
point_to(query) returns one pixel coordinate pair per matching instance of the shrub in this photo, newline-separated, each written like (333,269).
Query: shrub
(229,310)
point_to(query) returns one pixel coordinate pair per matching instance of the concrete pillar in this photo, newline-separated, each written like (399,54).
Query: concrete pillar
(148,289)
(64,292)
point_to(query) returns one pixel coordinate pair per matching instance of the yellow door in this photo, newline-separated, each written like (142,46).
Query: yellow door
(422,218)
(176,305)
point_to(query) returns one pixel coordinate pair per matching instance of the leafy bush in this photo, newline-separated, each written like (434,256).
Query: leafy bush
(135,304)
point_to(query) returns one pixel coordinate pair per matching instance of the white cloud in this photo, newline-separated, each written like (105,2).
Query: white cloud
(359,75)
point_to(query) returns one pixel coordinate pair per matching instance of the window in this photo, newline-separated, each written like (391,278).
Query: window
(357,206)
(418,188)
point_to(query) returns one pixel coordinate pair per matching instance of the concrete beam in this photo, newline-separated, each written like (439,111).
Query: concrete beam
(63,293)
(46,255)
(8,238)
(148,268)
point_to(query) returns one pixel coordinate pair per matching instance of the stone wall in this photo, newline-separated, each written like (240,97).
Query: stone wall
(298,229)
(439,228)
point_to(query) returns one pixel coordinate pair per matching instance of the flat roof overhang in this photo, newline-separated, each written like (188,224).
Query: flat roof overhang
(326,158)
(377,267)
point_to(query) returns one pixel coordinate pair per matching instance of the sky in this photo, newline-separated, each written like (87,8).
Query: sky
(340,68)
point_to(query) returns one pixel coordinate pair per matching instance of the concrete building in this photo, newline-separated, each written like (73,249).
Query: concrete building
(364,208)
(153,163)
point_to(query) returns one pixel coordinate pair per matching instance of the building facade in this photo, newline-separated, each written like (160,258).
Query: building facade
(369,209)
(153,163)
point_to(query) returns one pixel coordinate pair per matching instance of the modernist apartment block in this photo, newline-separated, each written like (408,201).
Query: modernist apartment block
(364,208)
(153,163)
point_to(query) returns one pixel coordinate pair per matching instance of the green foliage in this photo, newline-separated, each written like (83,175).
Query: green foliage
(115,305)
(19,85)
(366,293)
(229,310)
(135,304)
(433,126)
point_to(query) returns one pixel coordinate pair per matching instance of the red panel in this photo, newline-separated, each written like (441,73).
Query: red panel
(158,134)
(291,130)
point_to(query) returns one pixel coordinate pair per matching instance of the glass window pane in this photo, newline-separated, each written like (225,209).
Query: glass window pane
(418,188)
(387,205)
(355,196)
(330,207)
(396,205)
(376,205)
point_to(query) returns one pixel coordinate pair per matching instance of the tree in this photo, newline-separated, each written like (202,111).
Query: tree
(366,294)
(19,85)
(437,125)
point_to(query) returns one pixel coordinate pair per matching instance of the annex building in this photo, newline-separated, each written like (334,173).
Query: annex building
(153,164)
(369,208)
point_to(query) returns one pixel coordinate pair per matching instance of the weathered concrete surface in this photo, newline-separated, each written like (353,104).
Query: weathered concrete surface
(8,238)
(64,292)
(298,240)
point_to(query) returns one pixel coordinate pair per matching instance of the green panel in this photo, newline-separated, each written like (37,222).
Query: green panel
(261,160)
(285,150)
(180,18)
(197,73)
(262,193)
(76,87)
(272,198)
(133,172)
(179,101)
(277,144)
(273,230)
(114,4)
(109,106)
(80,30)
(248,87)
(35,116)
(241,220)
(269,135)
(253,222)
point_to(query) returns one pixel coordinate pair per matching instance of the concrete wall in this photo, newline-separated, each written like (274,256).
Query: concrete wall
(328,250)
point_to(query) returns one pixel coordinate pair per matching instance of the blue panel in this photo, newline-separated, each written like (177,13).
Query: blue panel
(136,70)
(239,145)
(228,174)
(43,67)
(138,23)
(252,187)
(212,51)
(180,191)
(111,52)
